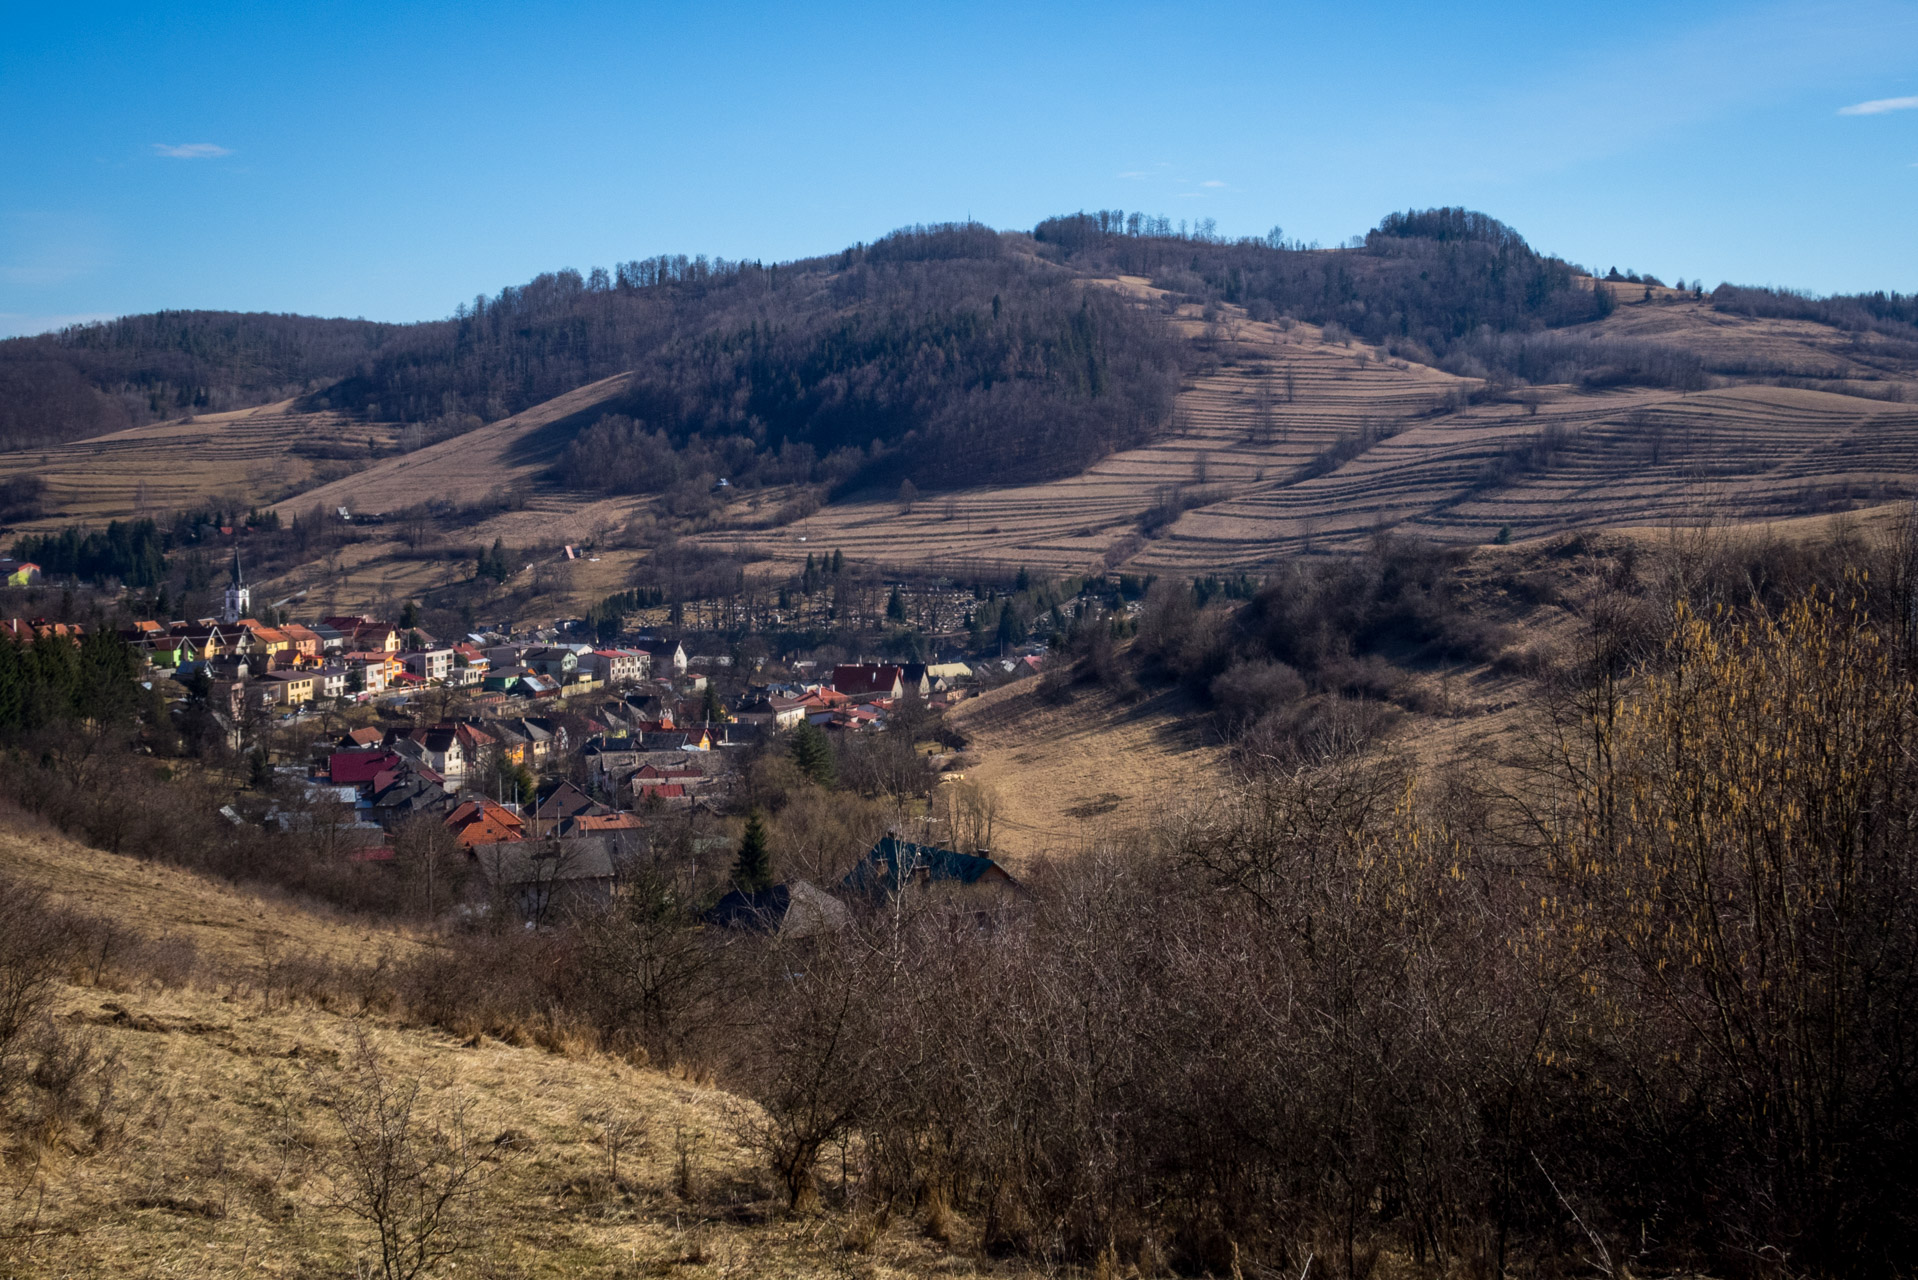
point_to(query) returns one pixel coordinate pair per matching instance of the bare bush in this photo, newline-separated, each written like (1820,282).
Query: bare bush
(409,1176)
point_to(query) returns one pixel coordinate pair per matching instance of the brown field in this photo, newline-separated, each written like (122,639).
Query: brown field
(1065,775)
(224,924)
(501,457)
(1553,460)
(236,460)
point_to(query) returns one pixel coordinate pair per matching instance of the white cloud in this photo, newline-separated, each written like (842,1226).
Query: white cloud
(1878,106)
(191,150)
(1212,182)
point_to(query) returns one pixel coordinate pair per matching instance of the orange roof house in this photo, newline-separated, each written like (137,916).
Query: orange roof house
(479,822)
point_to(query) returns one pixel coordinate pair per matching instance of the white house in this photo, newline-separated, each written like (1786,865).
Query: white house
(429,664)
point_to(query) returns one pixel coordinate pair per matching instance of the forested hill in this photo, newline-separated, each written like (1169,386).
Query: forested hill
(945,355)
(91,379)
(1445,287)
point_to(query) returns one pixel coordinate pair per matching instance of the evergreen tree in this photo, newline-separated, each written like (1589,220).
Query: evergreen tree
(838,561)
(753,870)
(712,710)
(410,615)
(1011,631)
(812,752)
(896,606)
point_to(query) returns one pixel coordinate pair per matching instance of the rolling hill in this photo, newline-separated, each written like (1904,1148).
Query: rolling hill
(1300,421)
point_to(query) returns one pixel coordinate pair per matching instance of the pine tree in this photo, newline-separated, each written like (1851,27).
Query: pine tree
(753,870)
(896,606)
(812,752)
(838,561)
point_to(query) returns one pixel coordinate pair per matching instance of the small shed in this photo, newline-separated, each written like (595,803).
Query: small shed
(544,879)
(797,909)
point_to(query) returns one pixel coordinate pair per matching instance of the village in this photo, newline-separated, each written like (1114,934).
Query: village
(542,764)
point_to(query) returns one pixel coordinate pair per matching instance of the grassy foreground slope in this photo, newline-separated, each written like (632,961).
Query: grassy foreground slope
(218,1151)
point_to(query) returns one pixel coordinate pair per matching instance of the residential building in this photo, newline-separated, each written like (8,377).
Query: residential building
(797,909)
(621,666)
(543,878)
(290,688)
(429,664)
(19,573)
(771,709)
(332,680)
(303,642)
(483,822)
(894,866)
(669,656)
(551,660)
(869,679)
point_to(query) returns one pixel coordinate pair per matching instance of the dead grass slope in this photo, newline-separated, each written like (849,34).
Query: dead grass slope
(219,1153)
(1066,774)
(236,460)
(1290,442)
(502,456)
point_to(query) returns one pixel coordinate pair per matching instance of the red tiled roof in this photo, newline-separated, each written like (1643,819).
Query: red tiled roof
(607,821)
(351,768)
(856,678)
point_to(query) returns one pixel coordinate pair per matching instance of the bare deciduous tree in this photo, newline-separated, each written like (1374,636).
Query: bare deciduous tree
(408,1175)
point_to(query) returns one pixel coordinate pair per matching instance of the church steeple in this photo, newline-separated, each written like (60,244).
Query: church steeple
(239,600)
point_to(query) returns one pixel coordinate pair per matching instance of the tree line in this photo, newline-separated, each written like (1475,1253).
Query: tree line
(53,681)
(89,379)
(133,551)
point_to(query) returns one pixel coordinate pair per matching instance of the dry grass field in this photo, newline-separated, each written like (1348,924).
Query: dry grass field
(221,1154)
(233,460)
(499,457)
(1066,775)
(1295,444)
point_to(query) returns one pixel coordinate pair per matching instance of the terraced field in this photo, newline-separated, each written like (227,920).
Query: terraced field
(1284,441)
(1273,401)
(237,460)
(1295,444)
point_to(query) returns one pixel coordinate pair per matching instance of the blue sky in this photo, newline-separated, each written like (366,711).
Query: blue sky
(390,160)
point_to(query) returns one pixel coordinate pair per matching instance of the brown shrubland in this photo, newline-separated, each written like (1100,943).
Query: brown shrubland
(1630,990)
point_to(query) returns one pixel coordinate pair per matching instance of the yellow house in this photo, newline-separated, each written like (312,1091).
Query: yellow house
(295,687)
(19,573)
(270,640)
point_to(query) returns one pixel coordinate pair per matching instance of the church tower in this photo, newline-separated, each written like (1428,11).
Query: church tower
(239,600)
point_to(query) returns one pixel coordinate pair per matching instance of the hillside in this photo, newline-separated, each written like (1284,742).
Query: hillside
(233,460)
(1097,395)
(218,1151)
(1294,443)
(97,378)
(502,457)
